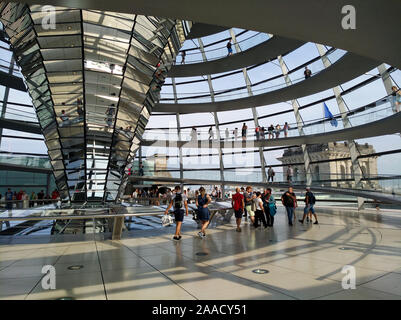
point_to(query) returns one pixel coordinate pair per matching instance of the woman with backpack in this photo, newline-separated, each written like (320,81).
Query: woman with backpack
(202,202)
(178,200)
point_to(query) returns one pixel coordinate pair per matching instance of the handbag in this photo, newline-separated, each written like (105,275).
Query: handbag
(195,215)
(272,208)
(167,220)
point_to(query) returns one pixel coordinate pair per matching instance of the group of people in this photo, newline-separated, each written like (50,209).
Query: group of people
(23,200)
(65,118)
(179,201)
(260,206)
(271,132)
(260,132)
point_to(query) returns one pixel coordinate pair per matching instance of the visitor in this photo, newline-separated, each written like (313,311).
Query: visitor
(278,129)
(211,134)
(33,198)
(214,193)
(8,197)
(286,127)
(55,195)
(289,201)
(202,202)
(269,206)
(270,174)
(20,199)
(248,204)
(110,113)
(178,200)
(64,118)
(307,73)
(259,210)
(235,133)
(244,131)
(257,133)
(247,193)
(290,174)
(41,196)
(140,172)
(25,200)
(227,134)
(270,130)
(310,201)
(262,133)
(229,48)
(396,99)
(183,55)
(238,205)
(135,195)
(80,111)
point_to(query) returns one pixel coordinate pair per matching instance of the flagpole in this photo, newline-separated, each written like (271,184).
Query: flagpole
(324,118)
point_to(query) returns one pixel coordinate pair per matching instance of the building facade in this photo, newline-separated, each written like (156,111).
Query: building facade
(326,170)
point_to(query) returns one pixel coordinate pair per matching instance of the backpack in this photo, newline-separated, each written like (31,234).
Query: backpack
(178,201)
(312,199)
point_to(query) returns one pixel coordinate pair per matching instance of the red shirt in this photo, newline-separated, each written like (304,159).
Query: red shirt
(237,199)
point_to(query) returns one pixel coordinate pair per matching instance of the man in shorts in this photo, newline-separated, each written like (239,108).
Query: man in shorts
(238,205)
(310,201)
(178,200)
(248,197)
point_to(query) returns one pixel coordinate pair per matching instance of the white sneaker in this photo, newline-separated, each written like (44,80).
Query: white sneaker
(200,234)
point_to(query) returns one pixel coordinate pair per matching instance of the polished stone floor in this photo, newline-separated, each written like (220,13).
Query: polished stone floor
(303,262)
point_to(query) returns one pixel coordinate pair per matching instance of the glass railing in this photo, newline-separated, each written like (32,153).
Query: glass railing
(372,112)
(384,183)
(219,52)
(26,161)
(273,84)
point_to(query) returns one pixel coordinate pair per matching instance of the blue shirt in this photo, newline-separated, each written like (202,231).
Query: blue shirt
(9,195)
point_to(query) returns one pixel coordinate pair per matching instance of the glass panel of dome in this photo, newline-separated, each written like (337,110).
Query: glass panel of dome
(60,42)
(252,40)
(62,29)
(264,71)
(301,55)
(365,95)
(101,31)
(123,22)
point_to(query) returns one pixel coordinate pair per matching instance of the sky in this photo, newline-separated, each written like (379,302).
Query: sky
(389,164)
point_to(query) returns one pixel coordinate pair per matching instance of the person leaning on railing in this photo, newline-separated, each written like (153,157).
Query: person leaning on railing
(396,99)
